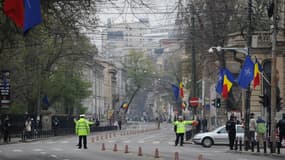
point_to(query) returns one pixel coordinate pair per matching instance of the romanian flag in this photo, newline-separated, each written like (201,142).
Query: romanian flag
(228,80)
(257,70)
(24,13)
(181,89)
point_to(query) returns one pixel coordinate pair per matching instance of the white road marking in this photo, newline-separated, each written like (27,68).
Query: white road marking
(128,141)
(51,142)
(43,152)
(0,151)
(140,141)
(64,142)
(112,141)
(66,159)
(155,142)
(17,150)
(171,143)
(35,143)
(53,156)
(57,149)
(37,150)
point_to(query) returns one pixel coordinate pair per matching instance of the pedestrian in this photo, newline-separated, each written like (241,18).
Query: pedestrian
(281,127)
(252,128)
(55,125)
(204,124)
(82,129)
(28,128)
(120,124)
(260,130)
(231,129)
(97,122)
(6,129)
(181,129)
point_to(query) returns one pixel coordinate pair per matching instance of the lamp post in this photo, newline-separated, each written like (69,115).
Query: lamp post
(245,51)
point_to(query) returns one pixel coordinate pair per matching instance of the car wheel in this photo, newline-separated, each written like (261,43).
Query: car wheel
(207,142)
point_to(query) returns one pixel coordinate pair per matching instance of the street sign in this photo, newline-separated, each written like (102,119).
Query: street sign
(194,101)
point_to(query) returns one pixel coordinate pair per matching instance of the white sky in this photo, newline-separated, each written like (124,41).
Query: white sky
(160,12)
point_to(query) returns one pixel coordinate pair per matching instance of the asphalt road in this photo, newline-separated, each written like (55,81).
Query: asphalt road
(63,148)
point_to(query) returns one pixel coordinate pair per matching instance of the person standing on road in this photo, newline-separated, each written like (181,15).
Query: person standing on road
(181,129)
(252,128)
(231,129)
(82,129)
(6,129)
(260,129)
(281,126)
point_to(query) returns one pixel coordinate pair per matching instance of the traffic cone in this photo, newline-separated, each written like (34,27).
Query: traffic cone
(140,151)
(176,156)
(103,147)
(200,157)
(115,148)
(126,149)
(156,153)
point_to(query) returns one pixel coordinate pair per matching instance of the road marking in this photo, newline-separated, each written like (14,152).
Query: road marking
(128,141)
(37,150)
(0,151)
(53,156)
(112,141)
(57,149)
(171,143)
(140,141)
(155,142)
(64,142)
(51,142)
(17,150)
(43,152)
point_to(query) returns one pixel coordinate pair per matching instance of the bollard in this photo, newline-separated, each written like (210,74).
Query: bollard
(115,148)
(236,143)
(271,147)
(140,151)
(246,145)
(264,147)
(252,146)
(278,147)
(200,157)
(110,135)
(257,146)
(240,144)
(176,156)
(102,137)
(156,153)
(126,149)
(106,136)
(97,138)
(92,140)
(103,147)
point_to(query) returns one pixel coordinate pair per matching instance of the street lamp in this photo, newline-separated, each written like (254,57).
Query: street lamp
(247,98)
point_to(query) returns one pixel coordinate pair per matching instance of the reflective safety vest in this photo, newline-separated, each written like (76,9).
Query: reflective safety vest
(261,126)
(181,126)
(82,127)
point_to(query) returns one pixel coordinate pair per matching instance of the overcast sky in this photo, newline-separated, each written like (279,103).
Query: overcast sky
(160,12)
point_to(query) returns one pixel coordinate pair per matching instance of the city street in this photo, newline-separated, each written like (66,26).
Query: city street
(63,148)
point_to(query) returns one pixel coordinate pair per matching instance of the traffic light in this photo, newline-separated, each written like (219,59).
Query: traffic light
(264,100)
(214,102)
(218,102)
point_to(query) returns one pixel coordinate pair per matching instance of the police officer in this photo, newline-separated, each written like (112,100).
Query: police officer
(82,129)
(231,129)
(281,126)
(181,129)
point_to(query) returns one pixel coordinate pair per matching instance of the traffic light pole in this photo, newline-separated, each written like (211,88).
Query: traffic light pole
(273,79)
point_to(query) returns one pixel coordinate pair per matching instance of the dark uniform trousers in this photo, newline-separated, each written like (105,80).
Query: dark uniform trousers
(181,137)
(232,136)
(84,141)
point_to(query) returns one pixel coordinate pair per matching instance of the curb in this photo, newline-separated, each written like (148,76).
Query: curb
(258,154)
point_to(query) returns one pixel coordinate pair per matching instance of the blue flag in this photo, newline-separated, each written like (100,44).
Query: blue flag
(175,90)
(219,86)
(247,73)
(32,15)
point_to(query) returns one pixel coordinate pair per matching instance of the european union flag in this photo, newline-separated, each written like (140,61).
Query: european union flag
(219,86)
(247,73)
(175,90)
(32,13)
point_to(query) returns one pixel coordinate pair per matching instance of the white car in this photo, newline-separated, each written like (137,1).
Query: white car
(217,136)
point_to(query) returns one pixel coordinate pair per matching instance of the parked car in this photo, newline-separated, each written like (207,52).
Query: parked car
(217,136)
